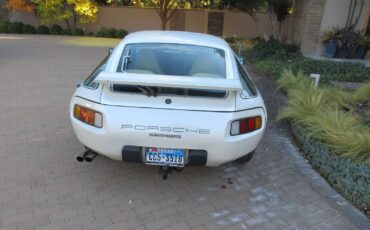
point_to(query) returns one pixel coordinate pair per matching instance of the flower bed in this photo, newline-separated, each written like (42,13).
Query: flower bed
(332,129)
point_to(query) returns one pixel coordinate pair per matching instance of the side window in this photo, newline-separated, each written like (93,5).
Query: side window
(89,82)
(247,83)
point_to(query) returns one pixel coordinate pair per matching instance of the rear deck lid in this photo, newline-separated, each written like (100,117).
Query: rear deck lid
(194,82)
(201,93)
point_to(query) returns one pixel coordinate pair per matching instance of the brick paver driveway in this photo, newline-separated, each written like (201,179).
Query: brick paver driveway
(43,187)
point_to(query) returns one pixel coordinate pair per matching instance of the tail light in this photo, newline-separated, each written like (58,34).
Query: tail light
(245,125)
(88,116)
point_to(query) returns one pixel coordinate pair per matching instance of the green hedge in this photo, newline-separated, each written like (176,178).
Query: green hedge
(42,30)
(111,33)
(15,28)
(56,29)
(351,180)
(28,29)
(78,32)
(20,28)
(4,27)
(272,57)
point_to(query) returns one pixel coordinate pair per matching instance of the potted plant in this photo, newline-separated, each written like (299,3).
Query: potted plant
(348,40)
(329,39)
(363,46)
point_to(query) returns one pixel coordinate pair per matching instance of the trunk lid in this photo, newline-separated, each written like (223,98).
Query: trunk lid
(168,92)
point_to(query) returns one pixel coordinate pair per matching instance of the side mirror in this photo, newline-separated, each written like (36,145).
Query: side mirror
(110,50)
(241,60)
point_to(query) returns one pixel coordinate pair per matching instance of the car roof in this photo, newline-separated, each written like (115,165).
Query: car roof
(176,37)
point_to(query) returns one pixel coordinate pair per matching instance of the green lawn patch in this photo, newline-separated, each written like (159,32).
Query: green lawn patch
(90,41)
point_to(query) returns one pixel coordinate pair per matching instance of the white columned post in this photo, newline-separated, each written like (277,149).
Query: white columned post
(316,77)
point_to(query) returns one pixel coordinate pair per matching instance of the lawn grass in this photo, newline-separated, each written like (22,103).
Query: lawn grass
(89,41)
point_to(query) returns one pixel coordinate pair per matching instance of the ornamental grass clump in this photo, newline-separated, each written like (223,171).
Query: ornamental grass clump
(343,132)
(328,115)
(362,94)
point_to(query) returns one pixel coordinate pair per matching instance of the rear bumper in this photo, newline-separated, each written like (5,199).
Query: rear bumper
(178,129)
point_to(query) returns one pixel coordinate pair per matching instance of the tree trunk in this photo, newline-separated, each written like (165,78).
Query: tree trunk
(163,23)
(36,16)
(74,20)
(67,23)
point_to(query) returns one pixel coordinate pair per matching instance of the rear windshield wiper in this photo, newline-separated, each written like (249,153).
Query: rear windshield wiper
(147,91)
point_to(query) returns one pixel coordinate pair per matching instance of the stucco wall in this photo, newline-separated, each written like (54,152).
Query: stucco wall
(297,21)
(196,21)
(3,10)
(135,19)
(131,19)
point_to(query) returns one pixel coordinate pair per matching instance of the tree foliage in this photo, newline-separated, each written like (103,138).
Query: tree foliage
(21,5)
(86,9)
(165,8)
(53,11)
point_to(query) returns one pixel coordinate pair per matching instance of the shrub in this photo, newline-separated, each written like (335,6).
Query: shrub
(121,33)
(4,27)
(67,32)
(367,118)
(28,29)
(321,111)
(272,48)
(78,32)
(15,27)
(42,29)
(111,33)
(342,132)
(272,57)
(289,80)
(230,39)
(56,29)
(362,94)
(102,32)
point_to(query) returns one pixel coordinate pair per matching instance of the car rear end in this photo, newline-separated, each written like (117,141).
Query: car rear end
(161,114)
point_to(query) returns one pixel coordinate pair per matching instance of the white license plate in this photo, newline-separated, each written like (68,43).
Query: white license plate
(168,157)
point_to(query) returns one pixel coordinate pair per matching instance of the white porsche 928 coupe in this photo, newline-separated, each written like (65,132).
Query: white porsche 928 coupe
(169,99)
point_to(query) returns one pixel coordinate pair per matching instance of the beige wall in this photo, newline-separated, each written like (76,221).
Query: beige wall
(196,21)
(297,20)
(130,19)
(135,19)
(23,17)
(242,25)
(3,10)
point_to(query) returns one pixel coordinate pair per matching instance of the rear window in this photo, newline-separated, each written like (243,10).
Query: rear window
(173,59)
(247,83)
(89,82)
(169,91)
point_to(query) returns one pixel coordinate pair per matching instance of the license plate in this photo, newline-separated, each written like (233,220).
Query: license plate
(168,157)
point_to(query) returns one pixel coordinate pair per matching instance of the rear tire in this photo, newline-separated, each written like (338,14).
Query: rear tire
(246,158)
